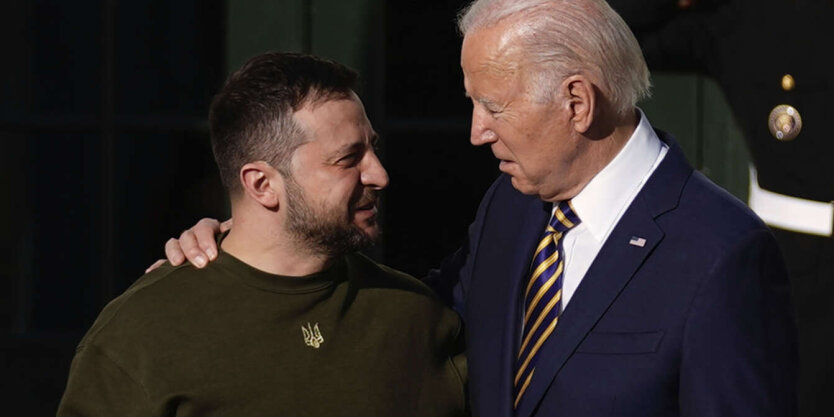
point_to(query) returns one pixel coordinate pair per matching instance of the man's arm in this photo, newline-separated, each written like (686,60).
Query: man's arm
(446,281)
(452,281)
(98,386)
(198,244)
(739,350)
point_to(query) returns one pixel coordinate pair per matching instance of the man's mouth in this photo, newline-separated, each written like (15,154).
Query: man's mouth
(367,204)
(370,205)
(368,201)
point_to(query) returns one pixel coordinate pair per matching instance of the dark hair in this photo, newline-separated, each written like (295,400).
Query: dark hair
(251,118)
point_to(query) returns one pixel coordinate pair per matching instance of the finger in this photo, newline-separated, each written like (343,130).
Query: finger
(155,265)
(226,226)
(204,232)
(191,248)
(173,252)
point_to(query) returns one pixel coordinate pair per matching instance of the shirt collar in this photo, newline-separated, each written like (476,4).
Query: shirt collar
(600,204)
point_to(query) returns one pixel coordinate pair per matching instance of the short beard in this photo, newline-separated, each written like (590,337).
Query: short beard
(324,231)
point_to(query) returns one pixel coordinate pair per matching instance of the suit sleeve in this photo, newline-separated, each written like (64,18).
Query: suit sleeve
(99,387)
(739,355)
(451,282)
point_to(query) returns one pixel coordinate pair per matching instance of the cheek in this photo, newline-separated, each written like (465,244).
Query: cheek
(537,162)
(337,194)
(344,191)
(536,169)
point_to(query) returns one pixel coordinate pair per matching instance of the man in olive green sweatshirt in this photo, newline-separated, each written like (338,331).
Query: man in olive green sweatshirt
(290,319)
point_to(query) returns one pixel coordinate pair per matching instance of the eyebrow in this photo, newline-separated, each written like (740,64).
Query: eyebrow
(355,146)
(484,101)
(489,104)
(348,148)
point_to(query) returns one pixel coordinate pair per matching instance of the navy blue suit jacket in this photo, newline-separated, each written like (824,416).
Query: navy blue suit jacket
(697,322)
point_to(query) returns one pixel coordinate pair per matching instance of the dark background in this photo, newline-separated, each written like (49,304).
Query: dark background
(106,155)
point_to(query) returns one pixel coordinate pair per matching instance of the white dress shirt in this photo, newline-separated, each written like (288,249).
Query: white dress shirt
(602,202)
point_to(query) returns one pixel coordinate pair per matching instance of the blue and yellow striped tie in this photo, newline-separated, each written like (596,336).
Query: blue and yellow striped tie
(543,295)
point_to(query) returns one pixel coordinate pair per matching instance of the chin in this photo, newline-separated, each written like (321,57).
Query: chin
(372,234)
(370,231)
(524,187)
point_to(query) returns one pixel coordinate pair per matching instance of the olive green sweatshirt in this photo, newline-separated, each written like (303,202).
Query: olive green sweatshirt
(358,339)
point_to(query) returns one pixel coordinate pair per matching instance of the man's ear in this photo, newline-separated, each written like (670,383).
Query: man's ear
(262,183)
(582,99)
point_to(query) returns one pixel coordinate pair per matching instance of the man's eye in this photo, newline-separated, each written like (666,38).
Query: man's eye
(350,159)
(491,109)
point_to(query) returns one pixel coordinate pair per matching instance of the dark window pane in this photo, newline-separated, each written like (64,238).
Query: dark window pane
(64,200)
(166,182)
(437,181)
(169,56)
(15,214)
(52,54)
(423,61)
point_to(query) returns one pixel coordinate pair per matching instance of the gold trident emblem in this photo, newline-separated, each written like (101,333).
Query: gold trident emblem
(312,336)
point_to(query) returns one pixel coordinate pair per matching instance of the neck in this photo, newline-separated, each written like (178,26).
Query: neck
(263,244)
(604,140)
(619,130)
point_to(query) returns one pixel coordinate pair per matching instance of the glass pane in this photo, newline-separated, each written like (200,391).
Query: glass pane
(169,56)
(437,181)
(166,182)
(62,230)
(423,61)
(55,48)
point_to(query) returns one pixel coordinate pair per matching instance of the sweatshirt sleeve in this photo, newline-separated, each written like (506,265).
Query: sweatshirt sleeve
(99,386)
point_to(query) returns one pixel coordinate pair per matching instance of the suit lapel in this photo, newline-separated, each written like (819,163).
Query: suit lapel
(614,266)
(507,263)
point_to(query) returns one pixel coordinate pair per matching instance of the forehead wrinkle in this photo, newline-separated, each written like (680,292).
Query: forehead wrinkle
(496,67)
(501,55)
(502,60)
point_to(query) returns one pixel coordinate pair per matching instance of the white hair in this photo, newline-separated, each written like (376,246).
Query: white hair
(560,38)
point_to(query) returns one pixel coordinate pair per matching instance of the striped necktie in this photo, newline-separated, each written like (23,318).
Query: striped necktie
(543,296)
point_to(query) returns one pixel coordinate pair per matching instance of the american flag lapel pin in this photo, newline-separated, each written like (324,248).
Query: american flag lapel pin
(637,241)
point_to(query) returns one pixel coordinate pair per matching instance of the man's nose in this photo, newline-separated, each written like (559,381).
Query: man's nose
(480,132)
(373,173)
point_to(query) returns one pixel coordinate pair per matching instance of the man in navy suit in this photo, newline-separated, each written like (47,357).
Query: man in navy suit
(602,276)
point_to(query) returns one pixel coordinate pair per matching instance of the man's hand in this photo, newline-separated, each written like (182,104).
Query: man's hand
(196,244)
